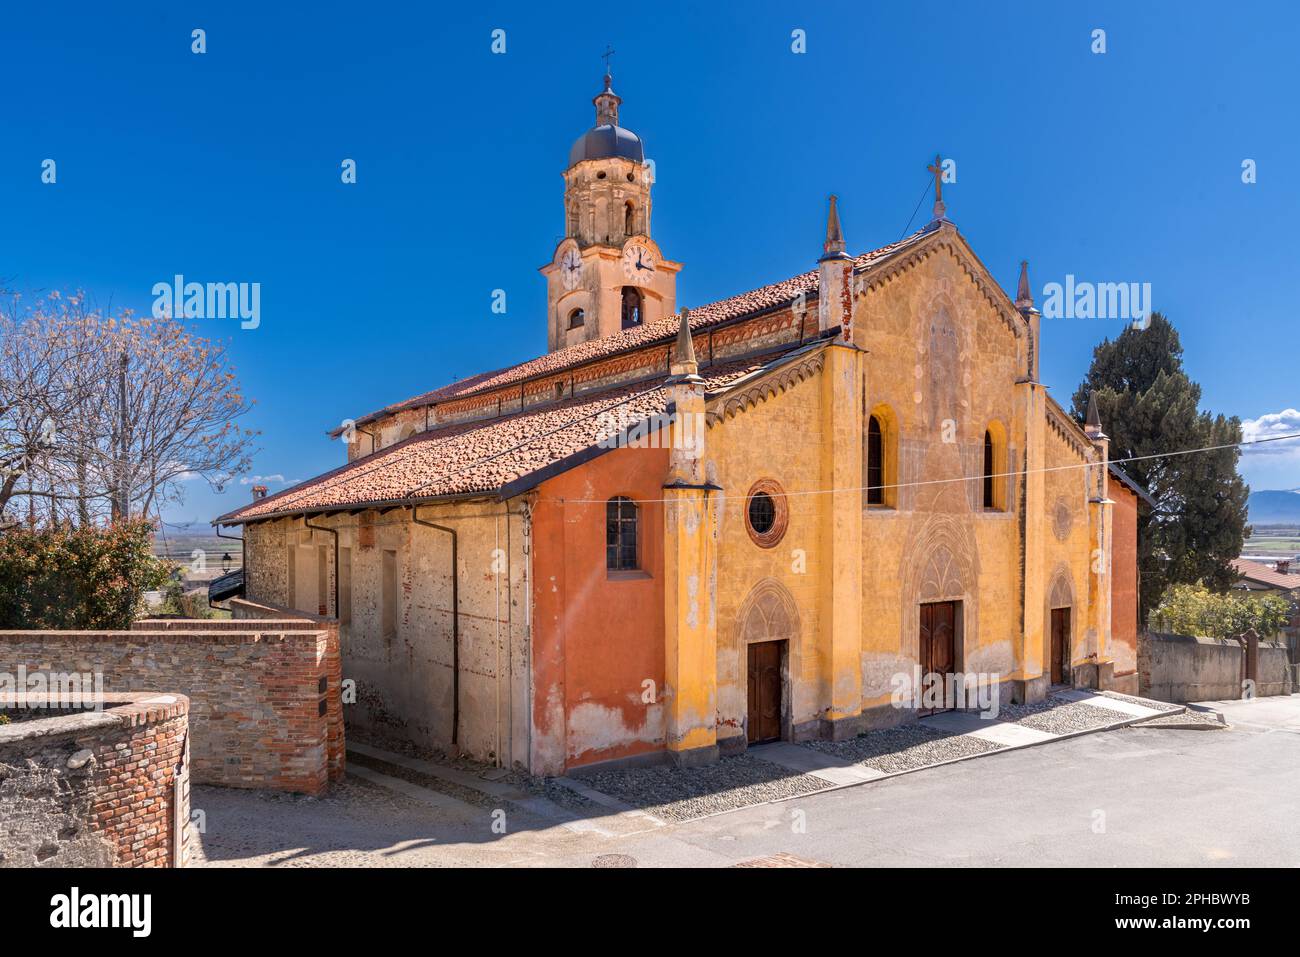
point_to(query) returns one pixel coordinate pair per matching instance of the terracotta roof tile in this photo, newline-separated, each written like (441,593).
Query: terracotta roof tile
(1257,571)
(473,457)
(660,331)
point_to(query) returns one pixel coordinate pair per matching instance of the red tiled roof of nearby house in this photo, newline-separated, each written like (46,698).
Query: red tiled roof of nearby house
(1259,572)
(661,331)
(484,456)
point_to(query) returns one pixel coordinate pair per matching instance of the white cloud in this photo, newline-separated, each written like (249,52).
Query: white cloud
(262,479)
(1286,422)
(1272,465)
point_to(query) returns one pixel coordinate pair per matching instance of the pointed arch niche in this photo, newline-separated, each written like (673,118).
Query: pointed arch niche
(768,613)
(1061,595)
(940,564)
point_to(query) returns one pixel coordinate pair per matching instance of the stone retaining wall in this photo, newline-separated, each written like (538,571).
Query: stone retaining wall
(103,788)
(1180,668)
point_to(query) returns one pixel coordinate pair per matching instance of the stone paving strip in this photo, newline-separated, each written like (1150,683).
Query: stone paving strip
(779,771)
(618,802)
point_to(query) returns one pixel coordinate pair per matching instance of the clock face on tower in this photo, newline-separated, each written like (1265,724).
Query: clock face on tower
(638,263)
(571,269)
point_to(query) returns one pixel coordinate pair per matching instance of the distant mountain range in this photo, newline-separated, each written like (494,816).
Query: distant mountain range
(1274,507)
(187,528)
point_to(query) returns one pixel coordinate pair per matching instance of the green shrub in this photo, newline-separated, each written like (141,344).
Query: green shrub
(84,577)
(1195,610)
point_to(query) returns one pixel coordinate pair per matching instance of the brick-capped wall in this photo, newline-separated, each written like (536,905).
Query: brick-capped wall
(264,696)
(97,788)
(271,620)
(250,614)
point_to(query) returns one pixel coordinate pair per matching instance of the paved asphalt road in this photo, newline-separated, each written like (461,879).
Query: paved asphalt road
(1131,797)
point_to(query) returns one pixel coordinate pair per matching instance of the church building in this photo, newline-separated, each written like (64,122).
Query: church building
(682,532)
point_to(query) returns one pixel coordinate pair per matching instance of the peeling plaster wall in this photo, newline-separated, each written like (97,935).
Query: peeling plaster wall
(599,635)
(779,438)
(1124,587)
(404,675)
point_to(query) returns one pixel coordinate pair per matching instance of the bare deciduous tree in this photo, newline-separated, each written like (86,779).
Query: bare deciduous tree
(107,417)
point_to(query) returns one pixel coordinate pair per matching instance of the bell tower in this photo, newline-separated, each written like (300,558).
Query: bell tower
(607,274)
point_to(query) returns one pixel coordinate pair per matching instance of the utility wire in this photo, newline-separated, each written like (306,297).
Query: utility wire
(981,476)
(915,211)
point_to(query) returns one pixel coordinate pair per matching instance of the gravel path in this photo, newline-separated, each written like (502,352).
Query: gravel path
(682,794)
(1208,718)
(1144,702)
(904,748)
(1071,718)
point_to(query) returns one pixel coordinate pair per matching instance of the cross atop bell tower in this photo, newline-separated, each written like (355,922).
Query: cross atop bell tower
(607,100)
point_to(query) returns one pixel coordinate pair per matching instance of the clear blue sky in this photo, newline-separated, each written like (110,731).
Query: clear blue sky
(1124,166)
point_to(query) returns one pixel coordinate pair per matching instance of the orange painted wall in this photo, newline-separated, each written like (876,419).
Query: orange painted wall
(1124,579)
(598,636)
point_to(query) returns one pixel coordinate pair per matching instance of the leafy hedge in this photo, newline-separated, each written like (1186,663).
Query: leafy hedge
(1195,610)
(85,577)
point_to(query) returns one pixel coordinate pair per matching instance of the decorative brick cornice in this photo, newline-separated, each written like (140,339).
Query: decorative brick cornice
(1069,431)
(750,393)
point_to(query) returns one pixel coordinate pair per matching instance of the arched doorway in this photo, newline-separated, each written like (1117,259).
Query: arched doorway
(768,628)
(1060,636)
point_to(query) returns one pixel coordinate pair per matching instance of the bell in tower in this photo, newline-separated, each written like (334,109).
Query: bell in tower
(607,274)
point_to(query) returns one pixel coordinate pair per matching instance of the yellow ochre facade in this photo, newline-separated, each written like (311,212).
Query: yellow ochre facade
(835,486)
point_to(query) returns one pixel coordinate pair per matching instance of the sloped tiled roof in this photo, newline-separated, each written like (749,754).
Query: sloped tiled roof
(1131,484)
(652,333)
(1259,572)
(483,456)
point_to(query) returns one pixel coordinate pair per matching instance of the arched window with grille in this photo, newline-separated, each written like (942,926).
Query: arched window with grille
(629,219)
(620,534)
(993,488)
(881,476)
(875,463)
(989,501)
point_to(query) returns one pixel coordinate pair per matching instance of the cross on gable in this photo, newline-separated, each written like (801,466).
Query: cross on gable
(937,169)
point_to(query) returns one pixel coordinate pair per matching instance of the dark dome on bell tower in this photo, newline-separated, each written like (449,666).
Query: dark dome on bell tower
(607,139)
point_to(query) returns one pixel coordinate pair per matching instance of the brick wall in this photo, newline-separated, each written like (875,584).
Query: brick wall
(271,620)
(244,612)
(97,788)
(264,696)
